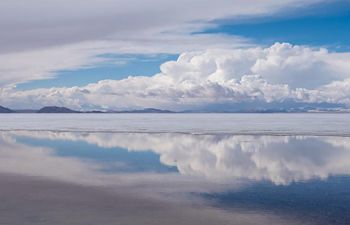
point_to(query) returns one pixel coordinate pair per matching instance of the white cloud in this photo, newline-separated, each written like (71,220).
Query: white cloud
(39,23)
(20,67)
(40,38)
(199,78)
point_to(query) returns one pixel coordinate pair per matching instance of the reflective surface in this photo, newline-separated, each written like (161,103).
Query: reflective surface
(172,178)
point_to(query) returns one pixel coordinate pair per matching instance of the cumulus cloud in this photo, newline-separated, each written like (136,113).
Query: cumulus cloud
(276,74)
(40,38)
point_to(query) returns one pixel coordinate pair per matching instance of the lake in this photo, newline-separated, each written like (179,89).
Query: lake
(175,169)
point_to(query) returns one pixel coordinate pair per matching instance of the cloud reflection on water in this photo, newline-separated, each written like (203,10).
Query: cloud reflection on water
(220,159)
(205,163)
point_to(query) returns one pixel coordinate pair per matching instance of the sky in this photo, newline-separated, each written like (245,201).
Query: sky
(177,55)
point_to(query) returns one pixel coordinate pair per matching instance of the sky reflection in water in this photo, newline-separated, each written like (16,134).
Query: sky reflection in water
(304,176)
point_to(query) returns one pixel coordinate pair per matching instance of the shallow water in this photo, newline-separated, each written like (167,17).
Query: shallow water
(82,177)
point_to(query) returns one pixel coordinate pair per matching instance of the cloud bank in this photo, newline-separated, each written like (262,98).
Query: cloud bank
(39,38)
(279,74)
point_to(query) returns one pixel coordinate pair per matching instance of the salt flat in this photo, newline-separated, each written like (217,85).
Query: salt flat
(336,124)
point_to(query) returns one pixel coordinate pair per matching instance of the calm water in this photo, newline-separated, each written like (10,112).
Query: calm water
(156,177)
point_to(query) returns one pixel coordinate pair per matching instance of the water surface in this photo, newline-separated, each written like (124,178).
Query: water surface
(53,176)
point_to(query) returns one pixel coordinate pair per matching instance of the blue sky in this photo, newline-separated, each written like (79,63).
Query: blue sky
(326,25)
(117,67)
(323,25)
(104,54)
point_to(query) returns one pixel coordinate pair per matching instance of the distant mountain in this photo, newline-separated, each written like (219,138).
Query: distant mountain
(251,107)
(254,106)
(25,110)
(5,110)
(55,109)
(147,110)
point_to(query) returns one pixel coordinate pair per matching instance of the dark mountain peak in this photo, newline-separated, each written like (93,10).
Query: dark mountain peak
(5,110)
(55,109)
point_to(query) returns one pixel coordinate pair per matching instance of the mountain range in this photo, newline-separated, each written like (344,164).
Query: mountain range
(212,109)
(56,109)
(5,110)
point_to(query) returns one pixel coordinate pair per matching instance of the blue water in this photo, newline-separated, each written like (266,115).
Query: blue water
(325,202)
(144,161)
(295,177)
